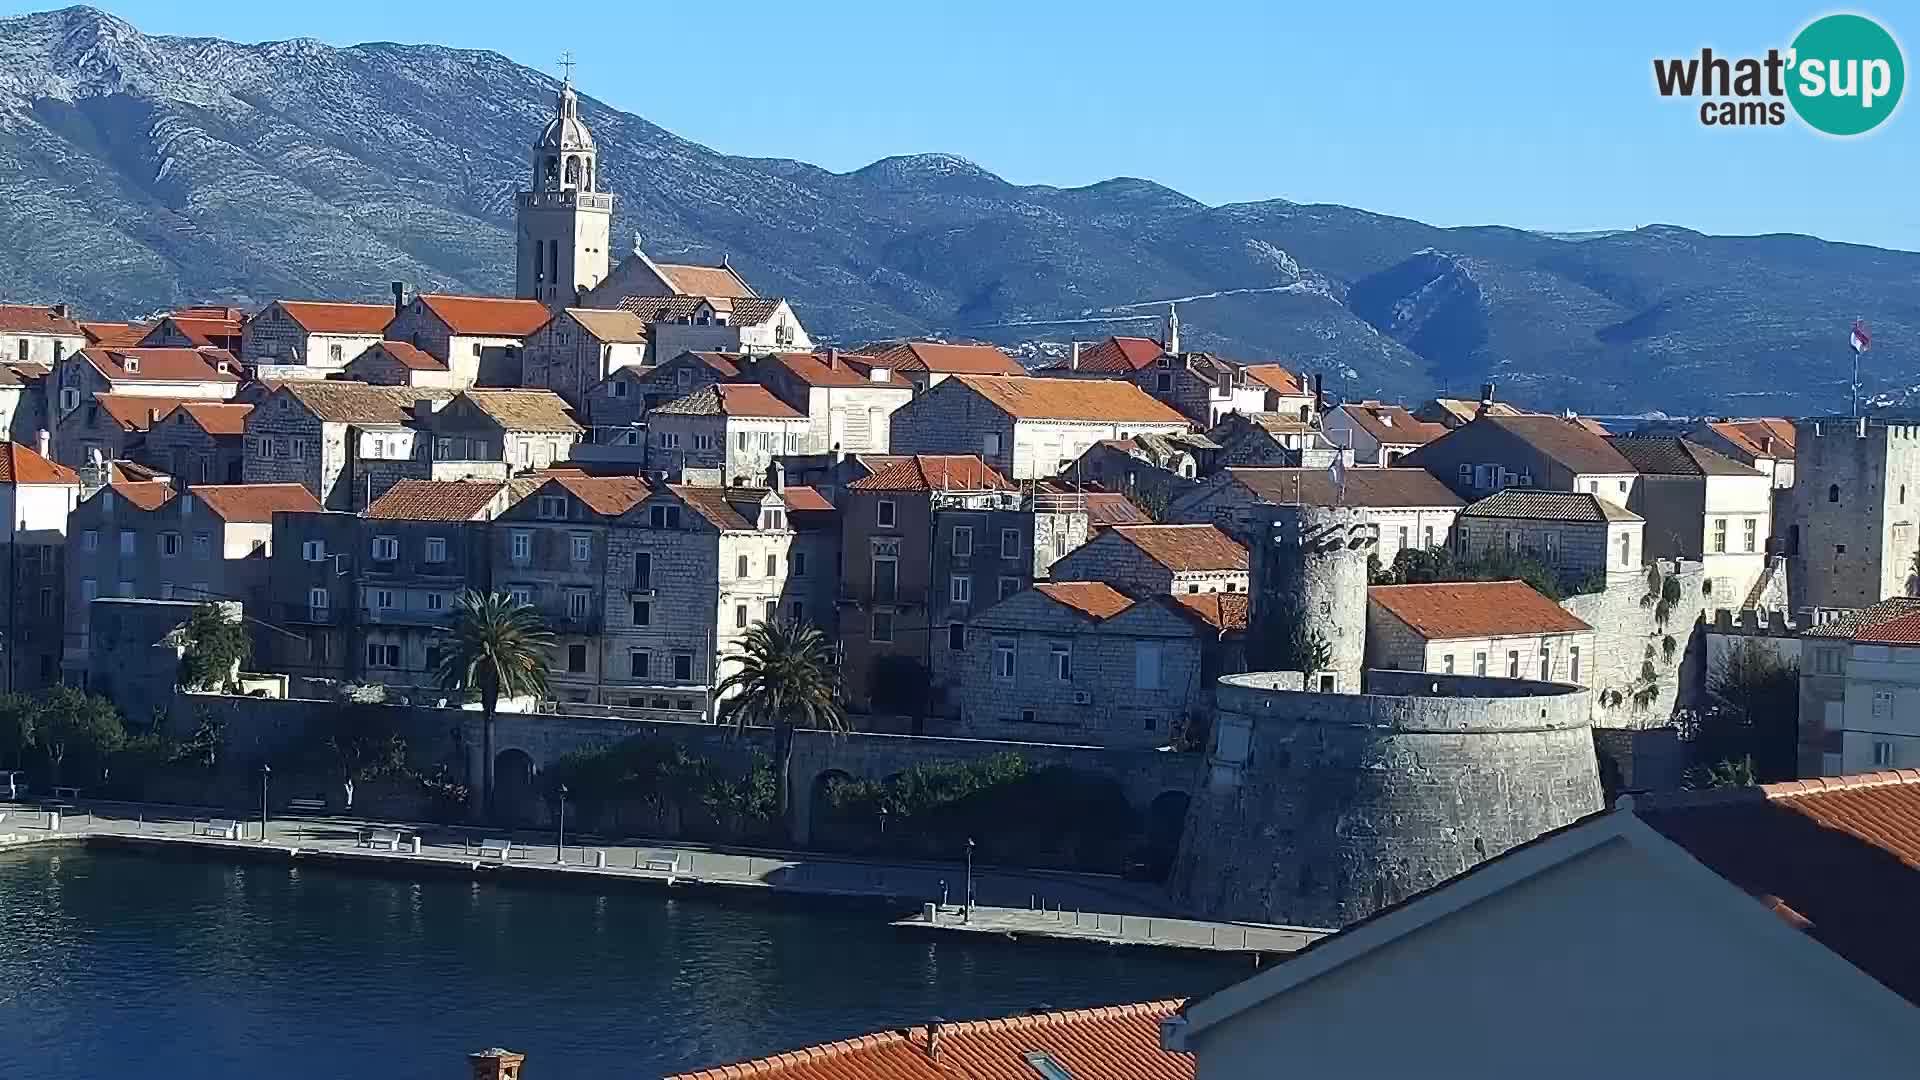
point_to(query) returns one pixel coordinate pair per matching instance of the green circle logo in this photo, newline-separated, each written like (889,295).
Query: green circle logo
(1847,74)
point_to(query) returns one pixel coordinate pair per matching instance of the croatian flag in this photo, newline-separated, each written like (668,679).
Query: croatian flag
(1860,339)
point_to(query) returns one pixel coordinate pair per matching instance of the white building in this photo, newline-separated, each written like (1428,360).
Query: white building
(1880,721)
(735,428)
(302,339)
(1408,506)
(479,337)
(1704,506)
(1028,428)
(1502,629)
(1766,443)
(1378,434)
(33,334)
(849,407)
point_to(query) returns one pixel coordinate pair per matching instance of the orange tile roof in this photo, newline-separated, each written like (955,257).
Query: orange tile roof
(1094,598)
(1392,423)
(1094,400)
(23,465)
(137,412)
(1443,611)
(162,365)
(145,494)
(1901,630)
(254,503)
(34,319)
(332,317)
(524,408)
(716,281)
(1186,548)
(800,497)
(217,417)
(487,316)
(202,333)
(409,357)
(1274,377)
(716,504)
(609,496)
(831,369)
(1119,1042)
(120,470)
(1120,355)
(436,500)
(1752,435)
(1842,853)
(731,399)
(943,358)
(1220,610)
(114,335)
(930,472)
(1106,508)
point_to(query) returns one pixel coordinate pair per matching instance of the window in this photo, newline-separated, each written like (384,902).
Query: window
(639,664)
(1003,663)
(579,603)
(582,547)
(1009,543)
(386,548)
(90,541)
(336,353)
(382,655)
(1573,663)
(963,540)
(200,589)
(1626,549)
(773,517)
(956,636)
(1750,533)
(521,545)
(169,544)
(740,616)
(882,627)
(883,513)
(619,389)
(521,594)
(1009,586)
(576,658)
(664,517)
(1446,663)
(383,599)
(1883,754)
(702,442)
(1146,665)
(797,564)
(1062,662)
(772,611)
(643,613)
(89,588)
(436,549)
(799,612)
(961,590)
(553,506)
(1404,536)
(773,566)
(886,579)
(1882,705)
(202,545)
(436,601)
(1513,664)
(318,599)
(1479,663)
(1833,493)
(1593,486)
(126,587)
(1546,662)
(126,542)
(1719,535)
(313,550)
(740,567)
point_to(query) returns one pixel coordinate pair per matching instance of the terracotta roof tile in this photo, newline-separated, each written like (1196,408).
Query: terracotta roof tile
(930,472)
(487,316)
(1899,630)
(120,470)
(338,402)
(1221,610)
(1186,548)
(739,312)
(146,494)
(1276,378)
(521,409)
(716,504)
(1662,456)
(217,417)
(694,280)
(831,369)
(1465,410)
(23,465)
(731,399)
(608,496)
(201,333)
(1752,435)
(1535,504)
(162,365)
(137,412)
(254,503)
(1443,611)
(620,327)
(1108,508)
(803,499)
(1097,400)
(409,357)
(1845,622)
(1120,355)
(114,335)
(1842,853)
(1120,1042)
(1392,424)
(1095,599)
(945,359)
(1574,447)
(333,317)
(1379,488)
(34,319)
(438,500)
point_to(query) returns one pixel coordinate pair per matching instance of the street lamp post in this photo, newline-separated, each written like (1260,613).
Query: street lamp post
(265,771)
(560,846)
(969,915)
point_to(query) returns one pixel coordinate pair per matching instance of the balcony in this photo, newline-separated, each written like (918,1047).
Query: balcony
(376,616)
(574,624)
(308,615)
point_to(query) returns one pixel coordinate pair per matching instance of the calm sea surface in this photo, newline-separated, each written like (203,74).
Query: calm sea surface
(123,965)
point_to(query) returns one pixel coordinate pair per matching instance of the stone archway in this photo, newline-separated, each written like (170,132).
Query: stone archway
(515,802)
(1166,819)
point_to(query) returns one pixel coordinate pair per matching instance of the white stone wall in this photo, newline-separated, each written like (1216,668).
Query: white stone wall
(1628,636)
(48,349)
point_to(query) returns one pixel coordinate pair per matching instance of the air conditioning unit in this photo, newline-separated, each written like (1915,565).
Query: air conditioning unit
(1082,697)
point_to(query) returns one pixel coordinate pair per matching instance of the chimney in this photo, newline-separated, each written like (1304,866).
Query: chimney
(833,359)
(426,406)
(933,1039)
(777,475)
(43,442)
(1073,358)
(496,1064)
(1766,445)
(399,296)
(1319,393)
(1486,399)
(1173,329)
(59,311)
(153,417)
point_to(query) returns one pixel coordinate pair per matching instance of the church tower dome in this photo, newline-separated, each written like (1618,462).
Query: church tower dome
(565,220)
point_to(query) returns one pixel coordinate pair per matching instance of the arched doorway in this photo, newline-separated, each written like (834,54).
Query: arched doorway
(1166,820)
(514,800)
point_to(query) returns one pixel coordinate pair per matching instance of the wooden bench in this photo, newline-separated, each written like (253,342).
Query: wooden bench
(663,864)
(501,849)
(380,838)
(306,806)
(221,828)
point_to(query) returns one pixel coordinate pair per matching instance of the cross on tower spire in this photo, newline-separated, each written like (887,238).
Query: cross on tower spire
(566,66)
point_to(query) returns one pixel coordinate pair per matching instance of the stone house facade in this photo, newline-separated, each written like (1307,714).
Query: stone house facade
(1273,439)
(1378,434)
(303,433)
(1547,452)
(736,429)
(1078,662)
(1410,509)
(397,363)
(1854,523)
(296,339)
(479,337)
(1028,428)
(173,374)
(702,323)
(1159,560)
(36,334)
(926,364)
(1702,506)
(23,402)
(579,347)
(646,388)
(37,496)
(199,442)
(849,406)
(1575,533)
(523,429)
(109,427)
(1500,629)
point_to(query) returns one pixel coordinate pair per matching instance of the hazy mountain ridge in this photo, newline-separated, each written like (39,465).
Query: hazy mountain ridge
(138,171)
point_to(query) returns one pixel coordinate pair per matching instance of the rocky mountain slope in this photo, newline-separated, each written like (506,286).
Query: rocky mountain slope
(139,171)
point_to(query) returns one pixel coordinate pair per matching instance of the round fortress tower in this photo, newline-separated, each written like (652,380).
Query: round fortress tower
(1309,567)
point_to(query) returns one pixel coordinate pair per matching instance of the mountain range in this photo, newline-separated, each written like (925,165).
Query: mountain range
(139,172)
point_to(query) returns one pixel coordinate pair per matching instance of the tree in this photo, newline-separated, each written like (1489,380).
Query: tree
(1752,714)
(363,744)
(786,679)
(19,728)
(74,721)
(496,646)
(215,648)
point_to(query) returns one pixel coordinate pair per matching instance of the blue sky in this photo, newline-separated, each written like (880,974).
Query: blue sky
(1539,115)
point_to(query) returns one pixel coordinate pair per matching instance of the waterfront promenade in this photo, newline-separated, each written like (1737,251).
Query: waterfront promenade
(1007,902)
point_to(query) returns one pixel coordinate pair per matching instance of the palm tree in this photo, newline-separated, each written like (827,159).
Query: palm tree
(497,645)
(786,680)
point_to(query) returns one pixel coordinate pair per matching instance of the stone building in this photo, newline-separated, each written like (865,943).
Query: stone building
(478,337)
(640,276)
(1308,582)
(1079,662)
(550,550)
(1273,439)
(563,225)
(321,435)
(174,374)
(1851,533)
(109,427)
(926,364)
(33,334)
(149,540)
(1159,560)
(397,363)
(849,407)
(200,442)
(737,429)
(1765,444)
(522,429)
(1577,534)
(1153,470)
(303,339)
(36,498)
(1378,434)
(1826,681)
(23,401)
(207,327)
(749,324)
(1201,386)
(1547,452)
(579,347)
(1028,428)
(1408,506)
(1501,629)
(1702,506)
(629,394)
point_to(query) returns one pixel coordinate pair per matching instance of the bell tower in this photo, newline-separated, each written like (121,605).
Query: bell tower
(564,223)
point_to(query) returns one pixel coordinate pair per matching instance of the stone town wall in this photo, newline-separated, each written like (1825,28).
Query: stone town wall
(1320,809)
(1310,563)
(1629,641)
